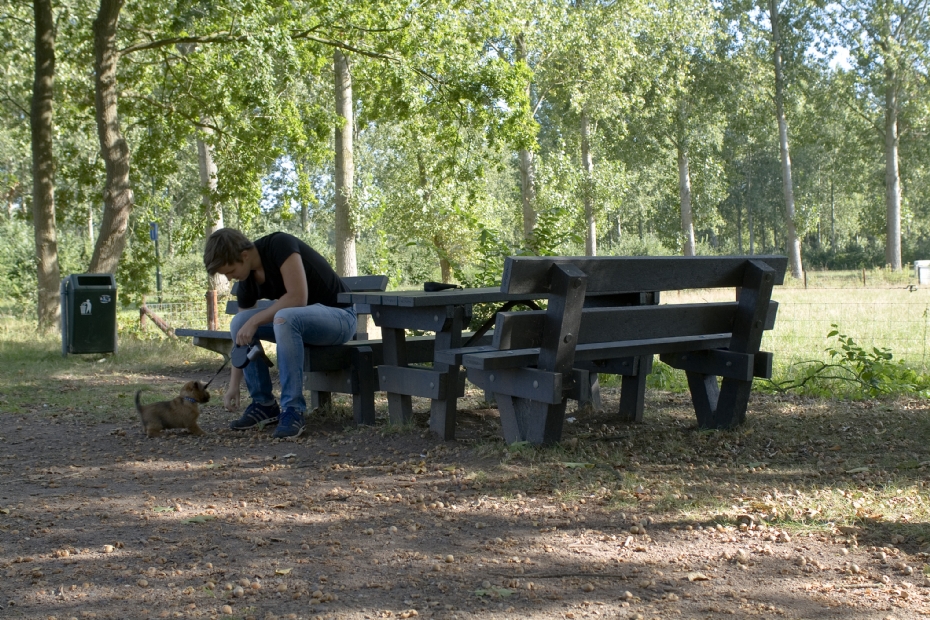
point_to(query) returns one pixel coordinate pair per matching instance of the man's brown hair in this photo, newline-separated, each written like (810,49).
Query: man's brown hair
(225,247)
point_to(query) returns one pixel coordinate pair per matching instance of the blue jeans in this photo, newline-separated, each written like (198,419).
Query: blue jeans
(292,328)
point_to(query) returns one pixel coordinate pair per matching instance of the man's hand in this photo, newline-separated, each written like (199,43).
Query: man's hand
(247,332)
(231,399)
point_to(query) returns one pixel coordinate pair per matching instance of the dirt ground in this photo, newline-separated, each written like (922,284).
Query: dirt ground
(98,521)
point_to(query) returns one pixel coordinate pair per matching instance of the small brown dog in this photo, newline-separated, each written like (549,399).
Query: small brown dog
(180,412)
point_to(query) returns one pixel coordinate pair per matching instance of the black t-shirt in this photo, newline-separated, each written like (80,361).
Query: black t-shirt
(323,285)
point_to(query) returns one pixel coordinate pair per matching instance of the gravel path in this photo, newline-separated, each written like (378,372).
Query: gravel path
(97,521)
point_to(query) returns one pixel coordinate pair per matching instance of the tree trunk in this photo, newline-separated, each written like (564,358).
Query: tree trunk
(684,195)
(739,228)
(832,214)
(892,174)
(792,243)
(749,224)
(528,193)
(527,166)
(305,192)
(43,168)
(117,193)
(587,164)
(346,264)
(213,214)
(445,270)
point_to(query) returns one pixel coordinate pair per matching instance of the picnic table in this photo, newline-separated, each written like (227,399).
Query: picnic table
(603,315)
(445,313)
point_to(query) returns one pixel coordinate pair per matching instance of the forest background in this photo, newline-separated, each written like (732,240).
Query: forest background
(428,140)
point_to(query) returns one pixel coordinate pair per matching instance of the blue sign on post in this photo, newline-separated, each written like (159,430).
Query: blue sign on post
(153,231)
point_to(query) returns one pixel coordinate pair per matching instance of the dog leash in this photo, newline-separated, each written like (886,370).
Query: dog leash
(217,373)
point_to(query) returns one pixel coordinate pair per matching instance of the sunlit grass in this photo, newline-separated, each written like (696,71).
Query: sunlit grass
(799,464)
(38,379)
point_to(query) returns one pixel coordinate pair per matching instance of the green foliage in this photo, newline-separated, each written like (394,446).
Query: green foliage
(854,371)
(17,263)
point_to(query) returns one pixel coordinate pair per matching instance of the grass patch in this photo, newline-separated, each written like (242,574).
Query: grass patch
(38,380)
(800,464)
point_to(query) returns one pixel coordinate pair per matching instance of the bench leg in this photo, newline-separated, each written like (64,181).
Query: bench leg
(704,395)
(633,391)
(589,389)
(725,407)
(530,420)
(443,410)
(400,406)
(731,405)
(363,396)
(319,400)
(719,407)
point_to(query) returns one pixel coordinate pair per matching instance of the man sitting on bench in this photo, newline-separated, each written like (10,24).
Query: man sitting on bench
(281,267)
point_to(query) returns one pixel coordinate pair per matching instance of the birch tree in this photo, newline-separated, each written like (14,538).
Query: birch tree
(793,243)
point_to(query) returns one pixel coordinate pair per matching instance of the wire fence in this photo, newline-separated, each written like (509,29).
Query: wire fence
(188,313)
(892,316)
(896,319)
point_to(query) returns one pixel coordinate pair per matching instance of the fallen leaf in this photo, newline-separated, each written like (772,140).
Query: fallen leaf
(282,571)
(163,509)
(494,591)
(578,465)
(857,470)
(698,577)
(199,519)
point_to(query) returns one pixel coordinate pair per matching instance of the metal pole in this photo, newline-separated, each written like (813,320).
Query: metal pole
(153,234)
(157,271)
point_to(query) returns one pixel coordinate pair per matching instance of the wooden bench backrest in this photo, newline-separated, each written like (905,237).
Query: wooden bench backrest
(614,278)
(631,274)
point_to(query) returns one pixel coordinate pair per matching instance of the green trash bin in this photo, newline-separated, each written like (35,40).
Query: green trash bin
(88,313)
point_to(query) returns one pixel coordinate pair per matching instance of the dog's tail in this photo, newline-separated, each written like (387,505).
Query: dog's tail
(138,403)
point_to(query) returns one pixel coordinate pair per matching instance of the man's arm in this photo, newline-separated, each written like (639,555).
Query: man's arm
(231,397)
(295,283)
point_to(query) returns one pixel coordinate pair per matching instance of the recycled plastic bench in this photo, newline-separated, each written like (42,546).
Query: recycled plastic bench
(344,369)
(596,320)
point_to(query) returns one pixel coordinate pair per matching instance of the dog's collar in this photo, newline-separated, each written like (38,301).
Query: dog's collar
(190,400)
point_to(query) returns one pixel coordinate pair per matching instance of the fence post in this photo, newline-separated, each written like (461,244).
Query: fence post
(863,276)
(211,311)
(805,279)
(142,315)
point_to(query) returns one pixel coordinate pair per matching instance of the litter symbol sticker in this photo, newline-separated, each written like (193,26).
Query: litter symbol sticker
(85,306)
(105,299)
